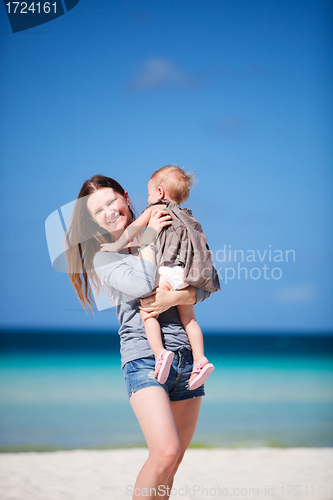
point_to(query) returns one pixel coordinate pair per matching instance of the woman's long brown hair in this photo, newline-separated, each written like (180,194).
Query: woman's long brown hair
(84,238)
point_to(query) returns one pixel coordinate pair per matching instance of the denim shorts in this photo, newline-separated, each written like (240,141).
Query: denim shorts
(140,374)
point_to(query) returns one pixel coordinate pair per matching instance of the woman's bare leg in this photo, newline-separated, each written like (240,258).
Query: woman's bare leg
(152,409)
(168,429)
(186,414)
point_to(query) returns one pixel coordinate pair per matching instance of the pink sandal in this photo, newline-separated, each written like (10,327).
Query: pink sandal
(203,374)
(165,359)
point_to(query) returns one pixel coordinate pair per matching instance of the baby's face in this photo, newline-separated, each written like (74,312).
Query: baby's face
(153,192)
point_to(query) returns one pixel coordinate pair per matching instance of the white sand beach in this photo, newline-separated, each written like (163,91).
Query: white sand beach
(294,473)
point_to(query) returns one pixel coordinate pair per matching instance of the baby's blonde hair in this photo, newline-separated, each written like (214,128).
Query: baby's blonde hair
(175,181)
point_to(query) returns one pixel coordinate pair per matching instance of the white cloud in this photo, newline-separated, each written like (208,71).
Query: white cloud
(298,294)
(158,72)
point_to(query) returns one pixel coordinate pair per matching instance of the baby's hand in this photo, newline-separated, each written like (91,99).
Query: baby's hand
(108,247)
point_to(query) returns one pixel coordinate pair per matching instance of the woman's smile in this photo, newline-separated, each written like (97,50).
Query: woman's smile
(116,217)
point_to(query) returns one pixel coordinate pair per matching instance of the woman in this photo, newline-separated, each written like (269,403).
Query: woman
(167,414)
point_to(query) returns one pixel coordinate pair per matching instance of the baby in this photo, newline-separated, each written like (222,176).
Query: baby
(172,185)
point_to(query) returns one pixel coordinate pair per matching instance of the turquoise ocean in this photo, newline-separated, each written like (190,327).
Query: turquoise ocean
(67,391)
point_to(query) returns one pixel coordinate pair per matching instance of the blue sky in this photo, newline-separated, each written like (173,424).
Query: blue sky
(240,92)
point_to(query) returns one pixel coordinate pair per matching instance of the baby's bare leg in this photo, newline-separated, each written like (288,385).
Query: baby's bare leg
(193,330)
(152,326)
(164,284)
(153,333)
(194,333)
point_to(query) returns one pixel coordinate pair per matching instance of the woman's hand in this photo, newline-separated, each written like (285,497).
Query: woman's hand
(148,212)
(159,219)
(144,218)
(160,300)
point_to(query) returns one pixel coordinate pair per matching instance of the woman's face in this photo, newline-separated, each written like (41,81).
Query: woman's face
(110,210)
